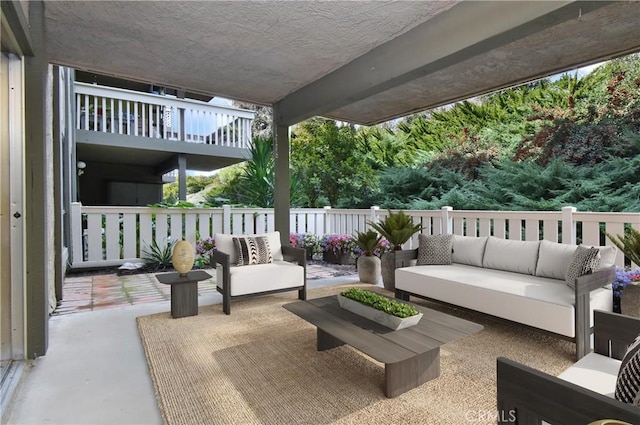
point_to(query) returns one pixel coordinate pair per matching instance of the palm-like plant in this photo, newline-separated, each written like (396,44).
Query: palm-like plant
(629,244)
(367,241)
(397,228)
(158,257)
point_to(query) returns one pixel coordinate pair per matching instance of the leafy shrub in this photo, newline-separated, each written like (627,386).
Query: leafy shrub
(158,257)
(379,302)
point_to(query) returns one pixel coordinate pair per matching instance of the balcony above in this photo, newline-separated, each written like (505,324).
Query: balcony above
(127,127)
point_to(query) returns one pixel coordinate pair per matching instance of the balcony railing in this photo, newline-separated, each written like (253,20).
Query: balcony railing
(113,235)
(125,112)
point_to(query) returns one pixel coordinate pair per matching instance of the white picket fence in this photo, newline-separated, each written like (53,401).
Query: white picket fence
(106,236)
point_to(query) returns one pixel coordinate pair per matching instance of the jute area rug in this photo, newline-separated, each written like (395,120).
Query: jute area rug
(260,365)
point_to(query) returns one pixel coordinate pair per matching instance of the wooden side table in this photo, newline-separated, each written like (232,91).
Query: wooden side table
(184,291)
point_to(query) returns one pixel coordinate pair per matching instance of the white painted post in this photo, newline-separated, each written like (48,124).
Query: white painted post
(76,233)
(373,216)
(226,219)
(568,226)
(447,221)
(327,220)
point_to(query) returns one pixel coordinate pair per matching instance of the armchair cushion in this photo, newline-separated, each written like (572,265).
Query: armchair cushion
(262,278)
(252,250)
(595,372)
(224,243)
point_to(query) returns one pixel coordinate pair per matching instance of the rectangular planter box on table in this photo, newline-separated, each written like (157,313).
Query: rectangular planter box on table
(378,316)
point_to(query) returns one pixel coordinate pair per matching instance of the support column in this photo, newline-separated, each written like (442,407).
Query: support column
(282,179)
(36,165)
(182,177)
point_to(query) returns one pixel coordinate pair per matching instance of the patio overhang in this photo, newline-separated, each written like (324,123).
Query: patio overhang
(363,62)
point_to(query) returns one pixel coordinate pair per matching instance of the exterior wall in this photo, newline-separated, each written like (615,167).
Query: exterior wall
(100,184)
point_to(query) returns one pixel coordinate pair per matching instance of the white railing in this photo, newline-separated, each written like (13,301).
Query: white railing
(125,112)
(105,236)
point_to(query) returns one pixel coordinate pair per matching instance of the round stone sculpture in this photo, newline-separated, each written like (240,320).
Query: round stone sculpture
(183,257)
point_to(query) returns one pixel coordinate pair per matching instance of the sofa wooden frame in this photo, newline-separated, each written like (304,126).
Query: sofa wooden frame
(290,254)
(528,396)
(584,285)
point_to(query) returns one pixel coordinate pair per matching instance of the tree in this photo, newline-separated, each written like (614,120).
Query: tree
(254,185)
(329,164)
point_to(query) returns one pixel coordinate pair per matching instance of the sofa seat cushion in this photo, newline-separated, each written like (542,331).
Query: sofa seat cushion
(535,301)
(262,277)
(595,372)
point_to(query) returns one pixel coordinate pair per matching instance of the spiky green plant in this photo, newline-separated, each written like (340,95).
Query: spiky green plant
(397,228)
(367,241)
(629,243)
(158,257)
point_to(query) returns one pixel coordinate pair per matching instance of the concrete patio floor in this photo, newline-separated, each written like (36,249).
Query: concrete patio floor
(95,370)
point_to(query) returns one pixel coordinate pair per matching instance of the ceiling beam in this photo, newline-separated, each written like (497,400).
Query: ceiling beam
(445,40)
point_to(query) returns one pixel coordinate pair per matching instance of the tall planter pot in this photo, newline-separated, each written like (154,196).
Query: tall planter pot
(369,269)
(388,266)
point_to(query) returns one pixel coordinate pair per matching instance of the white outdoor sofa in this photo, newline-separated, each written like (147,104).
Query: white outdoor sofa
(287,271)
(515,280)
(580,395)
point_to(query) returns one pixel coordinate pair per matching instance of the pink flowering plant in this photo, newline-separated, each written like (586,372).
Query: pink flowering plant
(338,243)
(204,251)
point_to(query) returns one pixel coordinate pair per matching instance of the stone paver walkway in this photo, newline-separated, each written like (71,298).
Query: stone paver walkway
(93,292)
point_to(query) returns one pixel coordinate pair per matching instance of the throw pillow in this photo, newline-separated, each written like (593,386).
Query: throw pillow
(434,249)
(628,382)
(252,250)
(584,261)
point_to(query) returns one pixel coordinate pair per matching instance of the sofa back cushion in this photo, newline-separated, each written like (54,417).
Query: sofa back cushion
(511,256)
(224,243)
(468,250)
(607,255)
(554,259)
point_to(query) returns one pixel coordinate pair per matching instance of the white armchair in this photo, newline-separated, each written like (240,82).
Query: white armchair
(287,270)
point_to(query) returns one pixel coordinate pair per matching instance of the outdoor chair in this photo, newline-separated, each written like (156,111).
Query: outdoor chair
(583,393)
(253,265)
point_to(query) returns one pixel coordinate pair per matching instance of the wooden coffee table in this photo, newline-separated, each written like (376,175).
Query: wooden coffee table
(411,356)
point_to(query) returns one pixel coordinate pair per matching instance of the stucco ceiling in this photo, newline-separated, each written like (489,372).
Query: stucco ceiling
(360,61)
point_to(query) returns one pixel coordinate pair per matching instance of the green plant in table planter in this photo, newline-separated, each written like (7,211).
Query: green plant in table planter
(380,302)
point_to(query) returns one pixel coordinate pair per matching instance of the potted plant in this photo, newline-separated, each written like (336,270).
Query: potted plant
(626,287)
(397,228)
(337,249)
(310,242)
(386,311)
(368,263)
